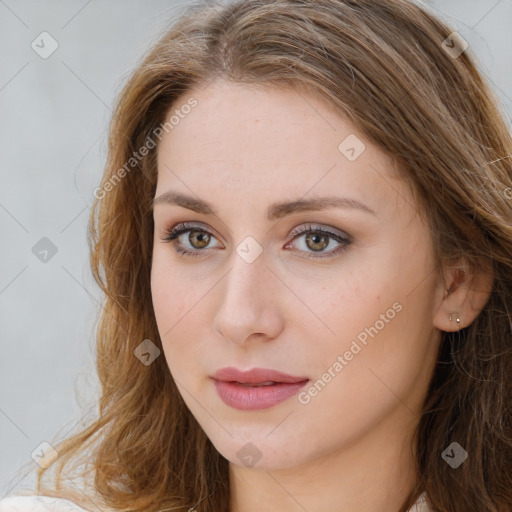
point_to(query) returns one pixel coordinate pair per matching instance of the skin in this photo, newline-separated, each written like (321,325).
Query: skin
(242,149)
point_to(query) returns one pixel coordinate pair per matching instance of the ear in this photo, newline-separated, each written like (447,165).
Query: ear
(462,295)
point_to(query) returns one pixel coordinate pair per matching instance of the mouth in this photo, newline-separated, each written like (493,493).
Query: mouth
(256,389)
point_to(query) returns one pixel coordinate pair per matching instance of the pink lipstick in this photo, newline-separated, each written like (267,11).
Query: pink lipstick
(259,388)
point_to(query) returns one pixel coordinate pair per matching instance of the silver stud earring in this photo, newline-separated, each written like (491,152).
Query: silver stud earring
(458,319)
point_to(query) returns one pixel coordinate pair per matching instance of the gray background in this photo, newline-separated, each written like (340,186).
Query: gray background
(54,116)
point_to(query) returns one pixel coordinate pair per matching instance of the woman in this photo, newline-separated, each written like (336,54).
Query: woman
(304,237)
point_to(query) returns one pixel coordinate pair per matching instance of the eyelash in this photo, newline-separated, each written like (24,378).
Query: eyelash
(171,234)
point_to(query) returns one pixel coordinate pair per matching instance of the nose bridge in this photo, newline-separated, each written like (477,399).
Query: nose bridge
(247,305)
(243,286)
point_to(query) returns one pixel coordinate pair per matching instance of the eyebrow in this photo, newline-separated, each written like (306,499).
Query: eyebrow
(275,211)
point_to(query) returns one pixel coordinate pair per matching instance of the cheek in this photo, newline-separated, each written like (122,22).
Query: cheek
(171,292)
(364,314)
(177,305)
(381,337)
(349,303)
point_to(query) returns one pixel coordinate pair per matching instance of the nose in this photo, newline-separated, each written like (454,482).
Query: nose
(249,308)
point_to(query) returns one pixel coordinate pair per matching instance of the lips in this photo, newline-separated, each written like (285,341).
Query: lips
(256,389)
(256,376)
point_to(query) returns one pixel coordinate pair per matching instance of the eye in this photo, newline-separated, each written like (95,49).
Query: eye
(198,238)
(315,240)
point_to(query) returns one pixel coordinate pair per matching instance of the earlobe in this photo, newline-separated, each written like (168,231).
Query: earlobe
(464,298)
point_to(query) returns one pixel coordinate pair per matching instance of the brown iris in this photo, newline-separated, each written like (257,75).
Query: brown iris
(321,241)
(202,239)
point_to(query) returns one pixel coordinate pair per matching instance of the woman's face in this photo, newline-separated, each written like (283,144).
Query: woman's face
(349,308)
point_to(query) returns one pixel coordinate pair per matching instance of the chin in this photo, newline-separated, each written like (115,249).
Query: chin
(254,449)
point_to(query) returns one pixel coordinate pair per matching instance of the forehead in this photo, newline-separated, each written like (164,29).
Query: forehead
(269,141)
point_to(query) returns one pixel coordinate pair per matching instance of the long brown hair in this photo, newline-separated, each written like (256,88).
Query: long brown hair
(384,64)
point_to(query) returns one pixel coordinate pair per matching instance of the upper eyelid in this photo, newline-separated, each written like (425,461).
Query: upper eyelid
(190,226)
(310,226)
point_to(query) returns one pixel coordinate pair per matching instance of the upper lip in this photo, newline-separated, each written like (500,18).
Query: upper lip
(255,376)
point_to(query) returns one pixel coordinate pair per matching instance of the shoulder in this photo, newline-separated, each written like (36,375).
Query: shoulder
(38,504)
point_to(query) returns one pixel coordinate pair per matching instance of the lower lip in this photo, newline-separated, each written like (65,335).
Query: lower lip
(254,398)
